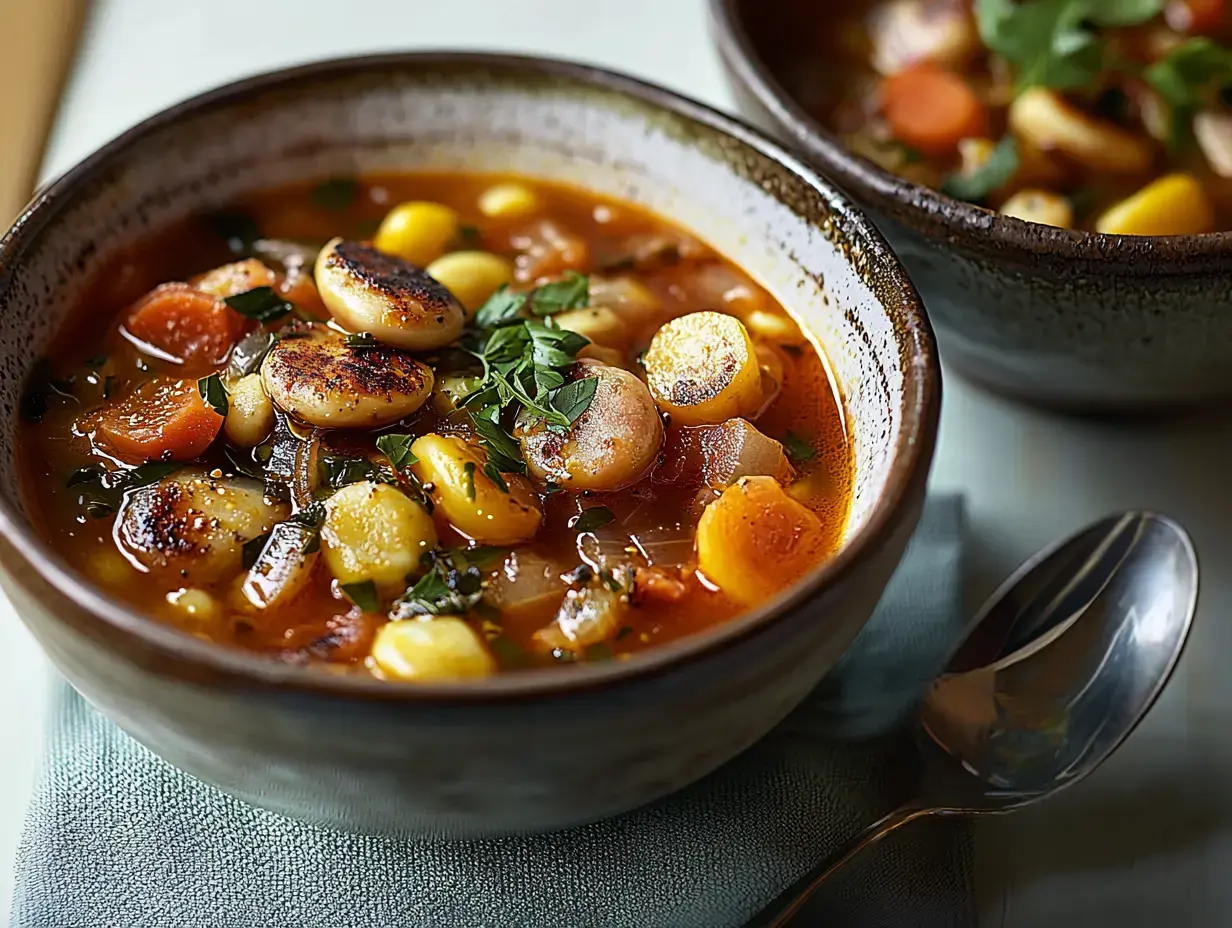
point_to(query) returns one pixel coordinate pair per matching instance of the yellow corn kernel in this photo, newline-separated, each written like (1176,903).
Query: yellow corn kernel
(601,325)
(777,328)
(440,648)
(194,604)
(452,472)
(508,201)
(471,276)
(1173,205)
(417,231)
(1041,206)
(374,532)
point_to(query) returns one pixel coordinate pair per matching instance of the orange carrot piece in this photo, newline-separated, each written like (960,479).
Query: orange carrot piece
(191,326)
(163,419)
(931,109)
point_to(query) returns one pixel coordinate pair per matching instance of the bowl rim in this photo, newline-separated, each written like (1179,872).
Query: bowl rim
(919,403)
(928,209)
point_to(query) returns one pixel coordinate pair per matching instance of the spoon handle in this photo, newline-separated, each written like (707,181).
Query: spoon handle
(785,906)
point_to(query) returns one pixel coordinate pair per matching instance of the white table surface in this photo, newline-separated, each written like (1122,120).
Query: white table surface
(1149,837)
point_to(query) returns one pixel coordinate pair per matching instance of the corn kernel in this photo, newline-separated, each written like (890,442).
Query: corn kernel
(508,201)
(418,231)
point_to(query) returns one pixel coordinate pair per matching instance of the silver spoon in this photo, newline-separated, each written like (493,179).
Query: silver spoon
(1054,672)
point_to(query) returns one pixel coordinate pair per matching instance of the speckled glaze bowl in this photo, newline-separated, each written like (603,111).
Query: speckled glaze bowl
(1068,320)
(538,750)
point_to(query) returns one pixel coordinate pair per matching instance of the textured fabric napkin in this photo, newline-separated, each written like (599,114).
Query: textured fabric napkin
(118,839)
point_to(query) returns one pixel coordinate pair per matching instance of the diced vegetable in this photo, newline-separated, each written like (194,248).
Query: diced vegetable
(599,324)
(508,201)
(932,110)
(1173,205)
(282,569)
(1198,17)
(468,498)
(417,232)
(196,605)
(162,420)
(907,32)
(590,615)
(1048,122)
(527,584)
(375,533)
(231,279)
(185,325)
(755,540)
(1213,130)
(1040,206)
(548,249)
(702,368)
(471,276)
(430,650)
(250,414)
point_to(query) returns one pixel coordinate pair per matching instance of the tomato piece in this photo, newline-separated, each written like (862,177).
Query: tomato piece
(931,109)
(162,419)
(187,324)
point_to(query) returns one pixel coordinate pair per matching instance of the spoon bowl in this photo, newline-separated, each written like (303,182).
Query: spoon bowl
(1054,672)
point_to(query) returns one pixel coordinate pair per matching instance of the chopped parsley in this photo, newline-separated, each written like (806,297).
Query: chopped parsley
(263,304)
(362,594)
(1190,79)
(572,291)
(975,186)
(590,519)
(338,471)
(451,586)
(214,393)
(798,450)
(1056,43)
(398,449)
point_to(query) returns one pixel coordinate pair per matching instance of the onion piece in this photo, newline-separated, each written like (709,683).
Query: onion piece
(1213,130)
(283,568)
(590,615)
(292,257)
(906,32)
(247,355)
(665,545)
(526,582)
(719,455)
(293,460)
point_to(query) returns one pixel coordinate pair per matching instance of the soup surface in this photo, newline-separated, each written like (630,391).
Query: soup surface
(435,426)
(1106,115)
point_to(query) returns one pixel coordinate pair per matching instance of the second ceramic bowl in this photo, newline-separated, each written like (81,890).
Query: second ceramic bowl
(1069,320)
(535,750)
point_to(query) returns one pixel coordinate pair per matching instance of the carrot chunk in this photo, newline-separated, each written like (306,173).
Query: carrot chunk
(931,109)
(187,324)
(162,419)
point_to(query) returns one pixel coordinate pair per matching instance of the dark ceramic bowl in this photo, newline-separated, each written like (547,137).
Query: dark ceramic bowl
(529,751)
(1070,320)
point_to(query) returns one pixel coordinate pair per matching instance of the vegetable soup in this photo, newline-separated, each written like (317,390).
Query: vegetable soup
(433,427)
(1105,115)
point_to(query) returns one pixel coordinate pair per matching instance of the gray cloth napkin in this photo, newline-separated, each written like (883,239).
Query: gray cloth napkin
(118,839)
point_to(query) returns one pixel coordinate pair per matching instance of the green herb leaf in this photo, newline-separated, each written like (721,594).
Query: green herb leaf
(469,470)
(502,448)
(574,398)
(572,291)
(398,449)
(590,519)
(335,194)
(102,490)
(311,516)
(1001,165)
(798,450)
(362,594)
(501,308)
(451,586)
(253,548)
(242,462)
(214,393)
(492,472)
(263,304)
(362,341)
(338,471)
(1189,79)
(1054,43)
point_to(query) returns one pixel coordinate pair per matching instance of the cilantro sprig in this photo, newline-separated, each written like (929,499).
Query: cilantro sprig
(1190,79)
(1056,43)
(527,363)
